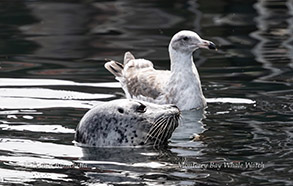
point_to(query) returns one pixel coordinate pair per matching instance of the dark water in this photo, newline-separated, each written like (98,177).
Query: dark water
(52,56)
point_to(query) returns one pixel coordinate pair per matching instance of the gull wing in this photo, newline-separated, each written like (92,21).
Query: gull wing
(138,77)
(146,82)
(141,79)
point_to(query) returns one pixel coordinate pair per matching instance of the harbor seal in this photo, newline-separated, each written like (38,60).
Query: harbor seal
(127,122)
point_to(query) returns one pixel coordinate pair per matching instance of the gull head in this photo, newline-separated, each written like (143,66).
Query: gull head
(188,41)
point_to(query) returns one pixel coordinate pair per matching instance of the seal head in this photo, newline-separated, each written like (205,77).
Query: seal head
(127,123)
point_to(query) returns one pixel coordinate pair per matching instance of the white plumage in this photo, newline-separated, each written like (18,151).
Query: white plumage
(180,85)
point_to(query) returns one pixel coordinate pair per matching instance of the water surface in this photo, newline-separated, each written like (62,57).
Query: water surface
(52,56)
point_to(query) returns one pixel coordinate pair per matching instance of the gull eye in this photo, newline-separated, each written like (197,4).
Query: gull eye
(185,38)
(141,108)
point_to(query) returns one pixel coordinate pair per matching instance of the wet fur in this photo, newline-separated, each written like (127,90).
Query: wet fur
(118,123)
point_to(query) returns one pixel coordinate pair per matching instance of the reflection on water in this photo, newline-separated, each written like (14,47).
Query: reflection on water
(52,56)
(274,48)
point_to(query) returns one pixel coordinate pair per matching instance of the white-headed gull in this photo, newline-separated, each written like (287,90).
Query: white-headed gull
(180,85)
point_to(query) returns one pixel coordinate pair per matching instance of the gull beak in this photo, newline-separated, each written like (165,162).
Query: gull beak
(208,45)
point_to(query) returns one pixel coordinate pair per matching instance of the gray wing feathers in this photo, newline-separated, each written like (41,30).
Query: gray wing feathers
(138,77)
(143,82)
(128,57)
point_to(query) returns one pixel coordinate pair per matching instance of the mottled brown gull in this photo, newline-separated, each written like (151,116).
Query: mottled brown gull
(180,86)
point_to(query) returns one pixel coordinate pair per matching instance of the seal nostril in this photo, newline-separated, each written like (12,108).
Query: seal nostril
(174,106)
(121,110)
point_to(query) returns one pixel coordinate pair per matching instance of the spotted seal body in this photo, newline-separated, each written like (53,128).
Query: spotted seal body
(127,123)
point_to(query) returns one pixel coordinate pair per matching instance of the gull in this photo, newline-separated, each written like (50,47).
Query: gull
(180,85)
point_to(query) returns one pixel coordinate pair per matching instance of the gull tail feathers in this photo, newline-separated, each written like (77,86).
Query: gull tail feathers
(115,68)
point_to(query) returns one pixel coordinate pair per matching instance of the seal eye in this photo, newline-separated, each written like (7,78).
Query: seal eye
(141,108)
(121,110)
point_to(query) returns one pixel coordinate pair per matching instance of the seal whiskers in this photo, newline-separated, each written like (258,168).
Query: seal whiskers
(161,130)
(127,123)
(163,133)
